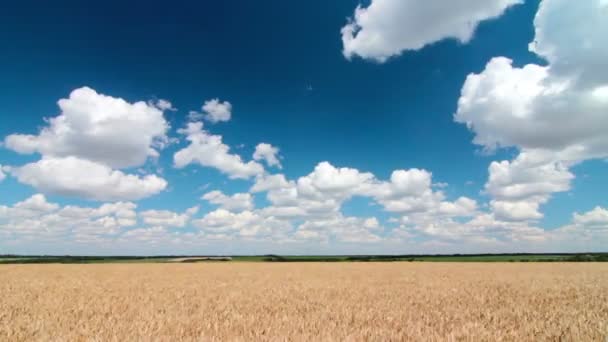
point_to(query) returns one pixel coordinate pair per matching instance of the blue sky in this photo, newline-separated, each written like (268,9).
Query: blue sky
(388,96)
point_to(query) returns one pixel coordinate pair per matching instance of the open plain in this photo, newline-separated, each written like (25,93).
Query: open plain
(305,301)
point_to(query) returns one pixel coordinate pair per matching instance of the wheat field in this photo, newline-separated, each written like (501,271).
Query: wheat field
(305,302)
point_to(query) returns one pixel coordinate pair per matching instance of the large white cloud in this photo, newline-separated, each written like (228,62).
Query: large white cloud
(571,36)
(72,176)
(556,115)
(561,107)
(534,108)
(84,147)
(389,27)
(99,128)
(321,194)
(209,150)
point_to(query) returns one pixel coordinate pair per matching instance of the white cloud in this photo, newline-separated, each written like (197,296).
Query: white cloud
(2,175)
(92,137)
(208,150)
(165,105)
(597,216)
(571,35)
(327,180)
(268,153)
(156,238)
(560,107)
(76,177)
(462,207)
(516,211)
(99,128)
(269,182)
(520,186)
(36,203)
(246,224)
(555,114)
(586,231)
(530,175)
(235,203)
(167,218)
(37,219)
(389,27)
(321,194)
(341,229)
(533,108)
(214,111)
(403,183)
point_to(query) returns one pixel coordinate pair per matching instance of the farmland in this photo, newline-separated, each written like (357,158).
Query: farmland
(305,301)
(521,257)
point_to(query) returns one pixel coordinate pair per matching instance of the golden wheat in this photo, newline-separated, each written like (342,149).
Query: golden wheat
(304,301)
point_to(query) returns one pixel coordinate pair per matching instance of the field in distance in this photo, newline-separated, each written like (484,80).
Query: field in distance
(521,257)
(305,301)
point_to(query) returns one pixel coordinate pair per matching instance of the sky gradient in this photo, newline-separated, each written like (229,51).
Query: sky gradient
(383,127)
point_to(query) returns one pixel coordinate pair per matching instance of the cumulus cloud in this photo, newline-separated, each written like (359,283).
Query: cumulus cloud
(167,218)
(165,105)
(463,206)
(554,114)
(534,108)
(269,182)
(597,216)
(214,111)
(516,211)
(529,175)
(84,146)
(585,232)
(35,204)
(520,186)
(2,175)
(321,194)
(208,150)
(99,128)
(560,107)
(246,224)
(329,180)
(235,203)
(268,153)
(36,218)
(340,228)
(72,176)
(389,27)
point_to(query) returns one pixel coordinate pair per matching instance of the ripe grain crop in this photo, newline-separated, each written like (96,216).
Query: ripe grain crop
(304,302)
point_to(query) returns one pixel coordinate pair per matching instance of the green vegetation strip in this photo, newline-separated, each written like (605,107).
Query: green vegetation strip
(581,257)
